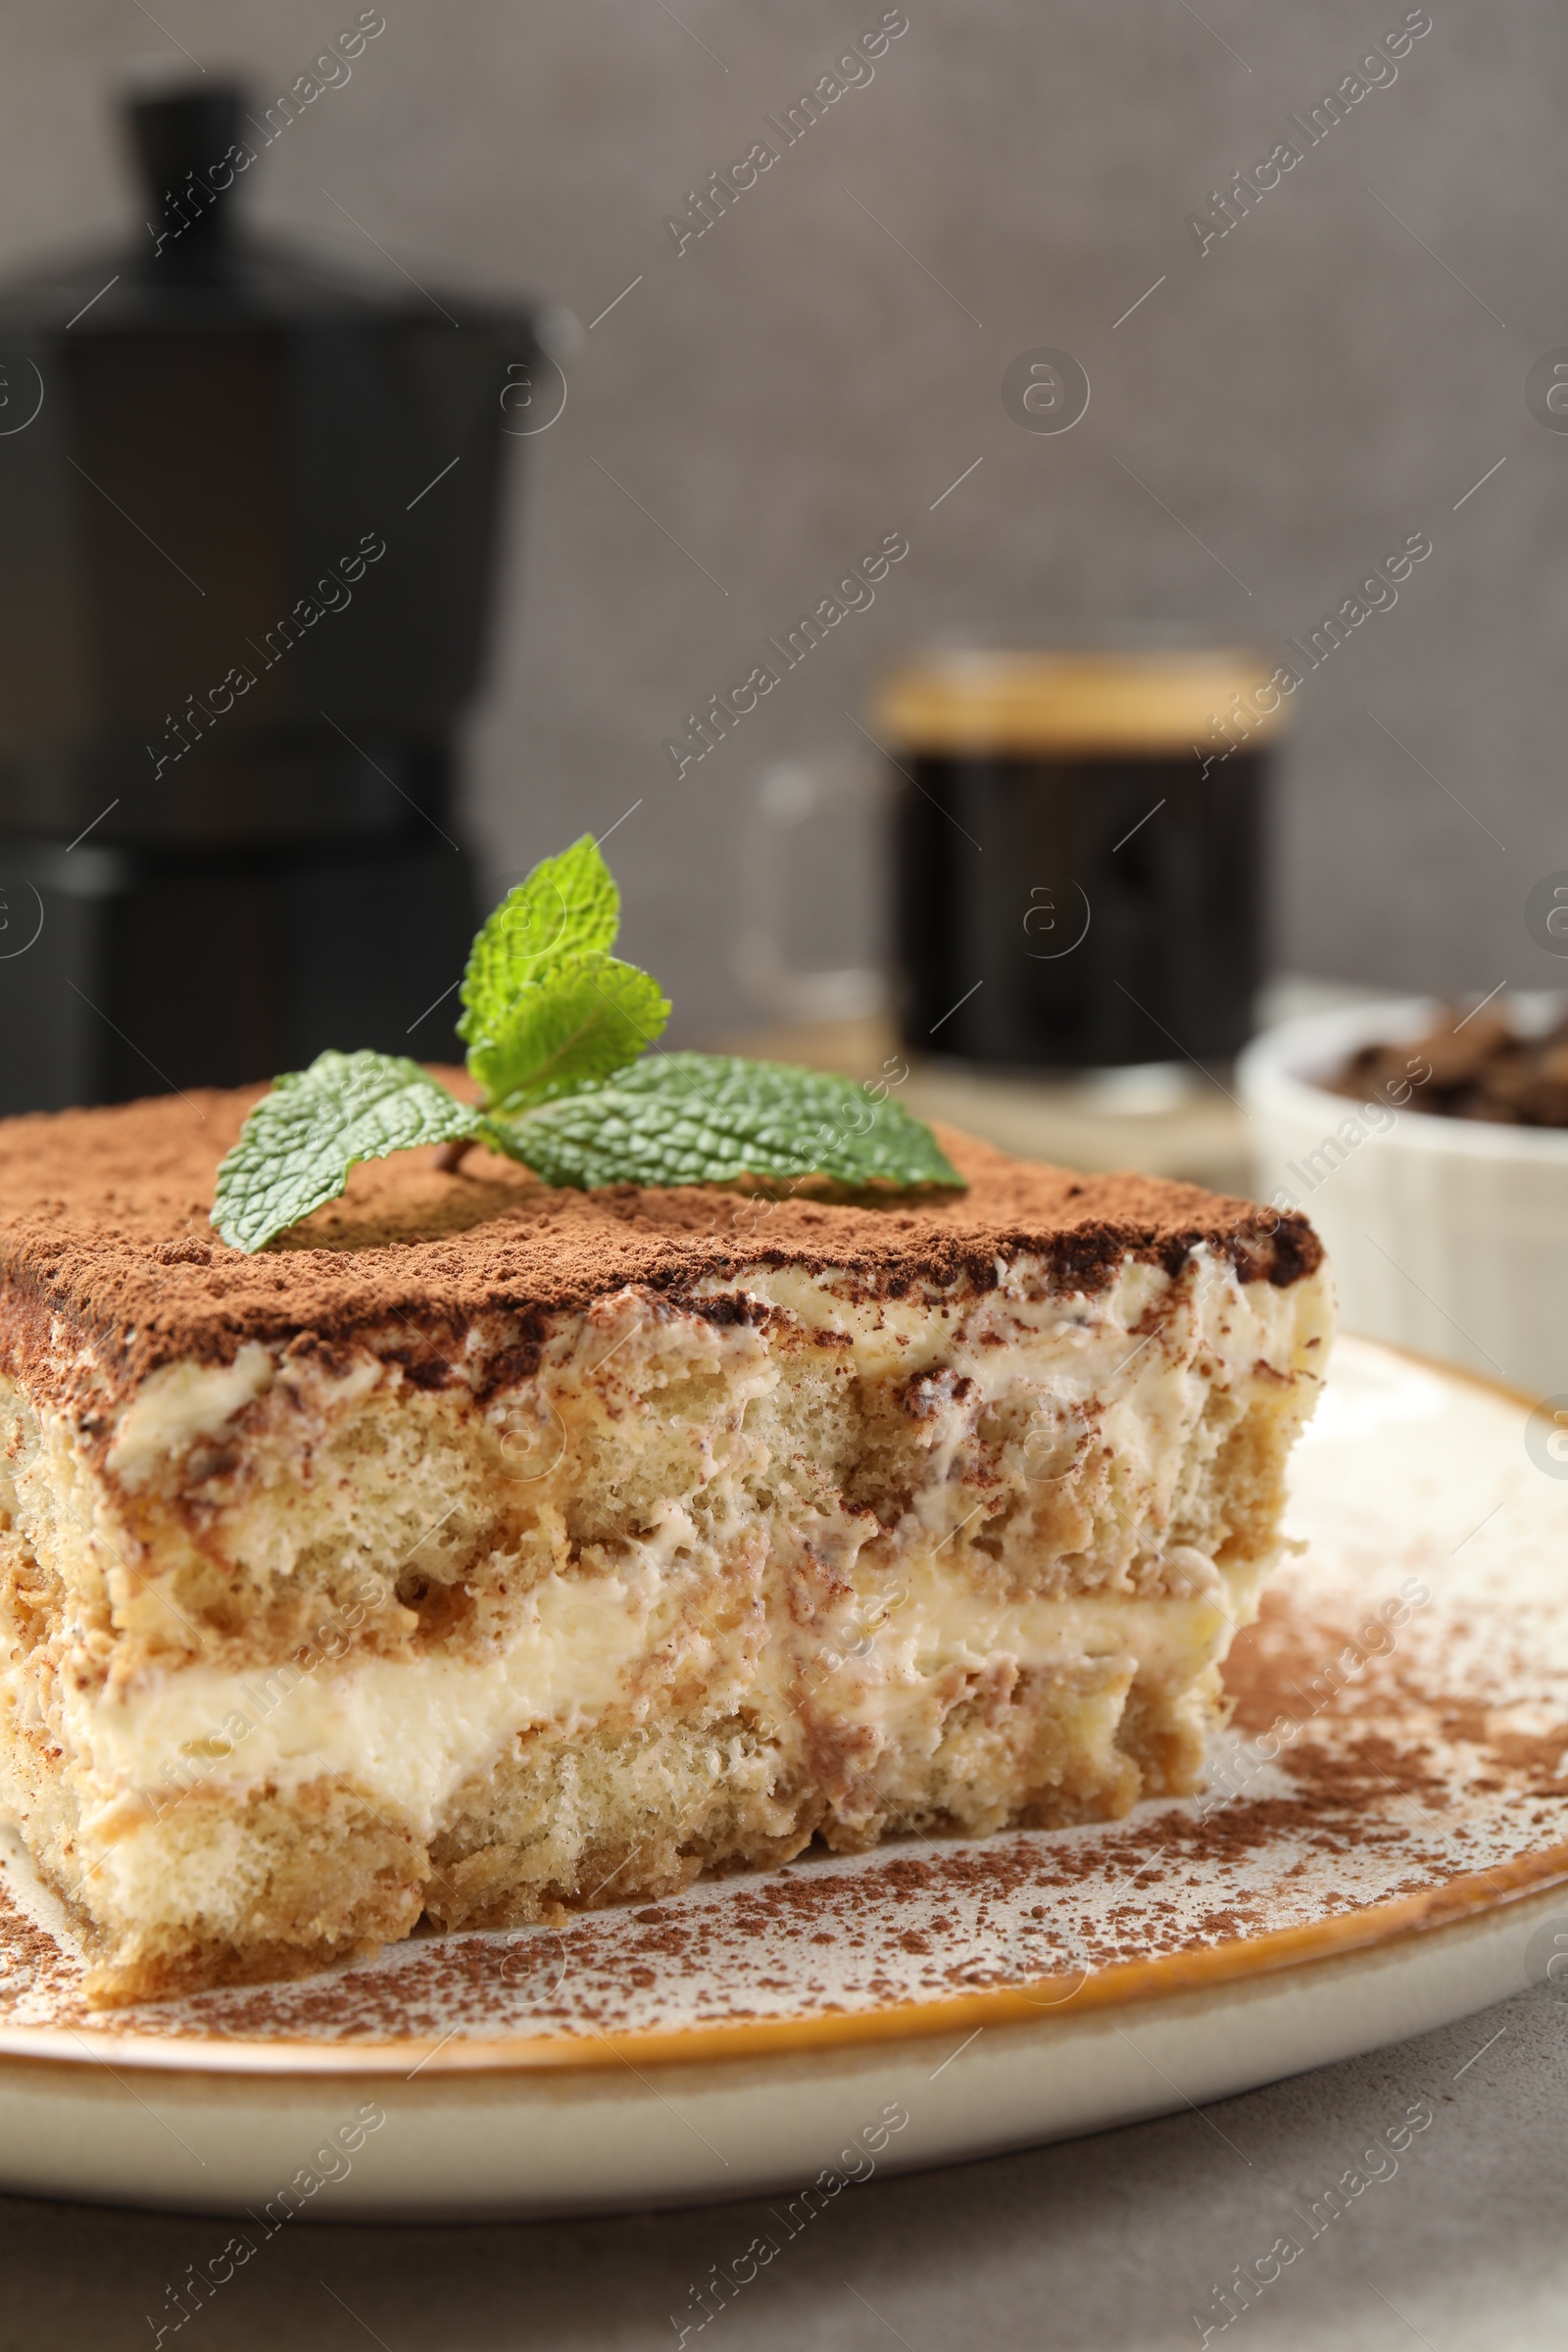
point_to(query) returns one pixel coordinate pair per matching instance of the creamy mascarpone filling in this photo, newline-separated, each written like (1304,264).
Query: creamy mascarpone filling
(411,1732)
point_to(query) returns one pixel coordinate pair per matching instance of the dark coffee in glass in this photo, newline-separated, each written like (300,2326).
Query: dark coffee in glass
(1078,855)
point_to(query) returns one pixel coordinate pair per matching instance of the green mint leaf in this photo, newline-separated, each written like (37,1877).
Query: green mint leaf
(568,909)
(705,1118)
(573,1029)
(299,1144)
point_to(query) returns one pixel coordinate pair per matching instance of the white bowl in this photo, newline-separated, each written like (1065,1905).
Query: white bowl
(1450,1236)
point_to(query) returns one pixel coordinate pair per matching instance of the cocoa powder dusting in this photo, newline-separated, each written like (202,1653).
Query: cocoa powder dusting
(104,1231)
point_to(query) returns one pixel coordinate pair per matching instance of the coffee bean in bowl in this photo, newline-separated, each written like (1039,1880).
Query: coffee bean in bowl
(1428,1144)
(1479,1065)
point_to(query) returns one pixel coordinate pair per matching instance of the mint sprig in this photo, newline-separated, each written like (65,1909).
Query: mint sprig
(707,1119)
(300,1141)
(571,1029)
(569,909)
(558,1029)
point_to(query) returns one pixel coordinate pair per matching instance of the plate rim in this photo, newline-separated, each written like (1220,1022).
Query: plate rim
(1388,1925)
(1380,1927)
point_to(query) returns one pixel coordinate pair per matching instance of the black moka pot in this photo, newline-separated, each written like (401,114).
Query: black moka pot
(247,527)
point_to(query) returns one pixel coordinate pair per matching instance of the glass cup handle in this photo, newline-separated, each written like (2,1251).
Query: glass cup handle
(786,798)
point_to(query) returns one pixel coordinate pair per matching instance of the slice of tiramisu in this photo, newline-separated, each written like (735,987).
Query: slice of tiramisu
(483,1550)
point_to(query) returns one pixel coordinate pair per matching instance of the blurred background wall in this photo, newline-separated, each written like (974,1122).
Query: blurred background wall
(1284,409)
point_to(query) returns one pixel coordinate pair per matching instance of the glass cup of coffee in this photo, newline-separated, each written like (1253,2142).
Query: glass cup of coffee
(1077,853)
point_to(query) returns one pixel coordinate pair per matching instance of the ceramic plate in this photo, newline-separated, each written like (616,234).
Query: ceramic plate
(1383,1847)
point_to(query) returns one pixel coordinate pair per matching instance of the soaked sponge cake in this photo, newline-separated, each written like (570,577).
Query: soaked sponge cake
(482,1552)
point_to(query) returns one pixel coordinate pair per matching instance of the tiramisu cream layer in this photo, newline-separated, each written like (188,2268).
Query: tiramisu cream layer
(483,1551)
